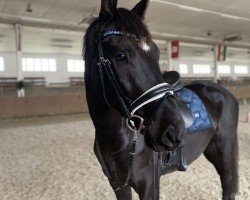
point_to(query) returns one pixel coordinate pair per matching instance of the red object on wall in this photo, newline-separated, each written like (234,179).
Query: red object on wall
(219,53)
(175,49)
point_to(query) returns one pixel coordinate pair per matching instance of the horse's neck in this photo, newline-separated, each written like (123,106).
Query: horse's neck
(111,129)
(109,124)
(113,134)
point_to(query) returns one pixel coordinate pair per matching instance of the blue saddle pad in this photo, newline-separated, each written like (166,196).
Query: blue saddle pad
(201,119)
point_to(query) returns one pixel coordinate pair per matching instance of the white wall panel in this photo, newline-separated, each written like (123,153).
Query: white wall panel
(60,76)
(9,65)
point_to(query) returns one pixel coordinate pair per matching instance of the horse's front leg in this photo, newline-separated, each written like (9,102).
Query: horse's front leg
(147,182)
(124,194)
(148,189)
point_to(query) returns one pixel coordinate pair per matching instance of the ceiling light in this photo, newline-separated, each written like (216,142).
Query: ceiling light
(198,38)
(34,19)
(61,45)
(58,40)
(230,16)
(209,33)
(190,8)
(232,38)
(29,9)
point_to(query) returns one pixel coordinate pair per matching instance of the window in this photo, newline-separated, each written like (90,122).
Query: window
(45,65)
(76,65)
(39,64)
(24,65)
(52,65)
(183,68)
(201,69)
(1,64)
(224,69)
(30,65)
(240,69)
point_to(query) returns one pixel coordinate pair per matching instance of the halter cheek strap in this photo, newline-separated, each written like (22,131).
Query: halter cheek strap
(104,69)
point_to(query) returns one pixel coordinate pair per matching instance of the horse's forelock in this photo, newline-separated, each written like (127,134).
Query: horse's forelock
(125,21)
(128,22)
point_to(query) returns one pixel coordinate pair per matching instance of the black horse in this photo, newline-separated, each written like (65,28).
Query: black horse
(127,95)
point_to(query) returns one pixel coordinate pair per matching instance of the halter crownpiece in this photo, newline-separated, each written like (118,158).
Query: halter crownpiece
(117,33)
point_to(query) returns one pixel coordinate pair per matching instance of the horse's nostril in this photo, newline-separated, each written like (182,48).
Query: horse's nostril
(168,137)
(172,137)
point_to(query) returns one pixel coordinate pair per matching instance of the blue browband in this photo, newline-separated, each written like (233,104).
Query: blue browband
(118,33)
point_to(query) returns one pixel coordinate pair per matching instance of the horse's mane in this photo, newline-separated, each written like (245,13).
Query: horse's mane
(124,20)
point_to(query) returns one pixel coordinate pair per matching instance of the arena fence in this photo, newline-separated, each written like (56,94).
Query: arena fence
(62,103)
(32,106)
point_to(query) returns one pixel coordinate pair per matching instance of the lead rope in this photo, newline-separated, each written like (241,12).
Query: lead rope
(131,160)
(132,151)
(135,130)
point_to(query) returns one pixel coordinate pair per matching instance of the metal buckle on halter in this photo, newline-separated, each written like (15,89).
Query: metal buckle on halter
(131,123)
(102,60)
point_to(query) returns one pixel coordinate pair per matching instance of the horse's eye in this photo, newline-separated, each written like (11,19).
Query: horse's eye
(121,56)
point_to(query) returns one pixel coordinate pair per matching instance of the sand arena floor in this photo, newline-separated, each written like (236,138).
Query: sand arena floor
(52,158)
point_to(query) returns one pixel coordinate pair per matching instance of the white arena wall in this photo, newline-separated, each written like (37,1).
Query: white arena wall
(61,75)
(190,63)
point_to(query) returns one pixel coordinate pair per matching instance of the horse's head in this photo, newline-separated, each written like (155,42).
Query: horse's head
(120,36)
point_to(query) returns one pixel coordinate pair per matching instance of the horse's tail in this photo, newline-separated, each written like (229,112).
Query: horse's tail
(233,105)
(234,166)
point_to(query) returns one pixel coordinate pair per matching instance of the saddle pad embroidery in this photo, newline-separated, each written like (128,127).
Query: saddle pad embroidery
(197,108)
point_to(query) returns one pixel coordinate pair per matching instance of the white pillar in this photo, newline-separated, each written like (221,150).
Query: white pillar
(169,58)
(19,57)
(216,75)
(18,52)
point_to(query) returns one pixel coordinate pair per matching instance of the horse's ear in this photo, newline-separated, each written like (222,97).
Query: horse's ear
(140,8)
(108,8)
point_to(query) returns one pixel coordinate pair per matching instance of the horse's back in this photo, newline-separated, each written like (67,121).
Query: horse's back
(220,103)
(221,106)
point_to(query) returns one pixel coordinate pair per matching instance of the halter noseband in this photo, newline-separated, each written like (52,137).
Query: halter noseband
(157,92)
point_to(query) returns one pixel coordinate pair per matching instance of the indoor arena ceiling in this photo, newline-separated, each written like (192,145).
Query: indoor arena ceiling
(187,20)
